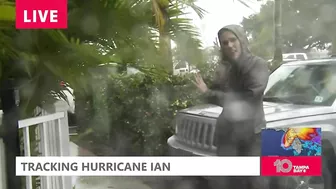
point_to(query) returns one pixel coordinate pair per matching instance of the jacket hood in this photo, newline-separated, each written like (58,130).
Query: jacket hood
(240,34)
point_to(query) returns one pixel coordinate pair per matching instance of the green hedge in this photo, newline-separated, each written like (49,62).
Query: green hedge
(133,115)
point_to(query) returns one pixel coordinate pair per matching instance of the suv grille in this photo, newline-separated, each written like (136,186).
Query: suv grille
(196,131)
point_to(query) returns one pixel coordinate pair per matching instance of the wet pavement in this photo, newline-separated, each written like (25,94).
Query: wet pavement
(109,183)
(103,182)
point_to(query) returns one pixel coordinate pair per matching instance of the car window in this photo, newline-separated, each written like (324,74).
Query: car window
(303,84)
(181,65)
(300,57)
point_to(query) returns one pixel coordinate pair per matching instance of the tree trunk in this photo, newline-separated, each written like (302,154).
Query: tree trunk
(277,59)
(165,47)
(165,43)
(11,132)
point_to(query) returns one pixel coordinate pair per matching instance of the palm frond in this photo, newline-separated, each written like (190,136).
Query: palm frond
(192,4)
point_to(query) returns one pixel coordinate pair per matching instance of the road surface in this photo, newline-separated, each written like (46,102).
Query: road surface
(103,182)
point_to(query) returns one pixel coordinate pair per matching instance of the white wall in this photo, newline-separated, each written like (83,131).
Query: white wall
(3,181)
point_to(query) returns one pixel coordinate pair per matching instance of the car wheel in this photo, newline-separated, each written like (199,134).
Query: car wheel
(306,182)
(324,182)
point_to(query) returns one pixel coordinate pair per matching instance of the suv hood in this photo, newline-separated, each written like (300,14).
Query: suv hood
(273,111)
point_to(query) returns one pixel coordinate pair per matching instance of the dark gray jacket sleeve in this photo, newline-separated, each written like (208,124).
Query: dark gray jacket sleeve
(254,81)
(215,86)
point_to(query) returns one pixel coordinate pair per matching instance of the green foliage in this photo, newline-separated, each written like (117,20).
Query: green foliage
(133,115)
(123,32)
(39,59)
(120,28)
(118,31)
(305,24)
(7,12)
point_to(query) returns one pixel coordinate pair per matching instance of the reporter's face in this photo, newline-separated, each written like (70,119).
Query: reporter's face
(230,45)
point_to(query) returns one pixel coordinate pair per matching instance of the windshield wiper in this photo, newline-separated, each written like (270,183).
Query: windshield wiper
(276,99)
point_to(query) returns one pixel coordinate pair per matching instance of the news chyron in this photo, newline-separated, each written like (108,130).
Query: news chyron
(291,152)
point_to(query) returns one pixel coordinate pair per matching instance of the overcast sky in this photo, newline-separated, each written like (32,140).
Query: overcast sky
(221,13)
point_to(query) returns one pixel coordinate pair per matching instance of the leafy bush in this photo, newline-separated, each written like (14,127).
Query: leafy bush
(133,115)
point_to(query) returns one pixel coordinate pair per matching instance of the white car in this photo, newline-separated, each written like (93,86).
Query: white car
(298,56)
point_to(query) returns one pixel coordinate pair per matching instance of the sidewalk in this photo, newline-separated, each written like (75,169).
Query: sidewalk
(103,182)
(109,183)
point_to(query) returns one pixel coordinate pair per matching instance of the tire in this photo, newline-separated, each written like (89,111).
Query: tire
(326,181)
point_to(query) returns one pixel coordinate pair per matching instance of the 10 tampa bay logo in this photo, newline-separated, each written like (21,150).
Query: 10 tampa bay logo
(286,166)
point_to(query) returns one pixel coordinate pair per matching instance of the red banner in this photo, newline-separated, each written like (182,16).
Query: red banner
(41,14)
(291,166)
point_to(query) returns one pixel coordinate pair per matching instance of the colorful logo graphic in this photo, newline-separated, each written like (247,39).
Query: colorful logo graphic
(291,152)
(41,14)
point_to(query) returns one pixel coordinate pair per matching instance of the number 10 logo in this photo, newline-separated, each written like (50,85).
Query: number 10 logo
(279,164)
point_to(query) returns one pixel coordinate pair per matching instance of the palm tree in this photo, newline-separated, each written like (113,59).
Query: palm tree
(33,62)
(98,32)
(124,27)
(172,26)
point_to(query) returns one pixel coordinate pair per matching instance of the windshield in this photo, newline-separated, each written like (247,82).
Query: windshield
(303,84)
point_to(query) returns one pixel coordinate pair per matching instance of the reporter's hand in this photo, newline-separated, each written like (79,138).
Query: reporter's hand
(199,83)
